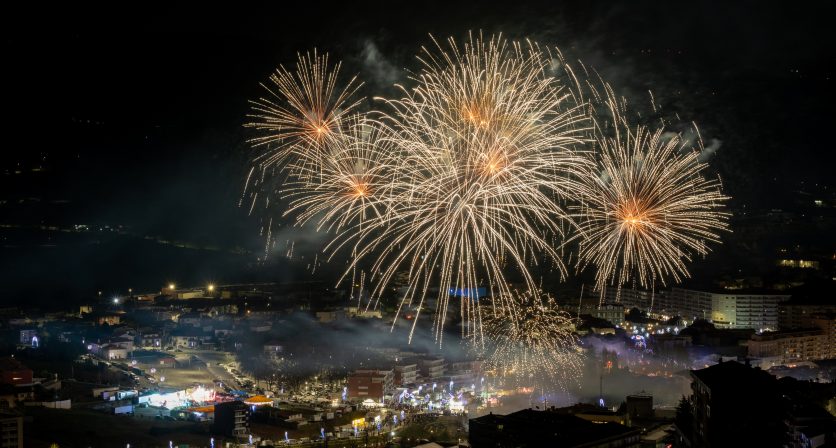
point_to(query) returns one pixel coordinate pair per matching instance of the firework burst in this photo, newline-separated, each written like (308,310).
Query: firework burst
(650,209)
(300,110)
(298,122)
(534,345)
(488,146)
(466,179)
(349,180)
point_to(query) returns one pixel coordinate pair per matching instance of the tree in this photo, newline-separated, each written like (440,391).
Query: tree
(684,419)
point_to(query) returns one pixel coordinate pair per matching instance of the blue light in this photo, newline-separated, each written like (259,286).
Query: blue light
(474,293)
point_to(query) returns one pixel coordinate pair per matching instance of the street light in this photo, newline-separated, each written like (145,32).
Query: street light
(171,286)
(211,287)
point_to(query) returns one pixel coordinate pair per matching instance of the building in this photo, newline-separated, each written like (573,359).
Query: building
(11,431)
(150,339)
(29,338)
(185,341)
(112,351)
(405,373)
(531,428)
(686,303)
(726,309)
(431,368)
(371,384)
(826,322)
(125,341)
(799,314)
(232,419)
(630,298)
(668,342)
(464,374)
(593,413)
(798,263)
(14,373)
(611,312)
(640,406)
(789,347)
(810,427)
(733,404)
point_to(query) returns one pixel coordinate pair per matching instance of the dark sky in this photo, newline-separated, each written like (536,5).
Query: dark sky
(134,114)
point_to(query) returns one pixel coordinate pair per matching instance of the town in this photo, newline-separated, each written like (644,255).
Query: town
(418,225)
(267,365)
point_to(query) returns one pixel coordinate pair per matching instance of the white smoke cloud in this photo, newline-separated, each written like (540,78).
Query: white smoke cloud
(378,69)
(708,151)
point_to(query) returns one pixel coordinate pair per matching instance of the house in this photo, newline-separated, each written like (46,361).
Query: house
(188,337)
(113,351)
(150,339)
(185,341)
(124,341)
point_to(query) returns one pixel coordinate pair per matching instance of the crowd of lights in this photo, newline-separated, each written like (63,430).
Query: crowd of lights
(181,398)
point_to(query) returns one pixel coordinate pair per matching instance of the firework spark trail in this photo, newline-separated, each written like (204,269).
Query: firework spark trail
(488,144)
(347,183)
(466,177)
(301,109)
(650,210)
(533,345)
(343,182)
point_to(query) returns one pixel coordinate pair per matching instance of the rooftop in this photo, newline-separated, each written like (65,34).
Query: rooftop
(731,374)
(549,426)
(773,335)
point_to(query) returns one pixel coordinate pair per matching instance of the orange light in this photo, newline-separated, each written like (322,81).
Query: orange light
(633,215)
(359,190)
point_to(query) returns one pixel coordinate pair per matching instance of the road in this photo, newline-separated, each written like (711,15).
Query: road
(211,358)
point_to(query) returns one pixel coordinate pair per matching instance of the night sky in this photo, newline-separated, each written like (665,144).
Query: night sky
(133,118)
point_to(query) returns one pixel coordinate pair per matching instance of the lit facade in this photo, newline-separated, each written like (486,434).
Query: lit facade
(373,384)
(725,310)
(406,374)
(789,347)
